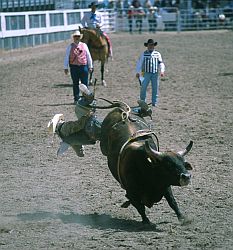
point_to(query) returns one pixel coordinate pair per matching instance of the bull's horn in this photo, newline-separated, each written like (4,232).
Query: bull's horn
(150,151)
(121,104)
(188,148)
(104,107)
(106,100)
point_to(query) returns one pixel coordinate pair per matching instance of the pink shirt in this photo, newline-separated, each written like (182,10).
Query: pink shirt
(77,57)
(78,54)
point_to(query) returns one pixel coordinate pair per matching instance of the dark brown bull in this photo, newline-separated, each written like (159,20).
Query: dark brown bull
(146,174)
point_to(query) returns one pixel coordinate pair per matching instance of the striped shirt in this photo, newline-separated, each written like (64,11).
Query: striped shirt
(149,62)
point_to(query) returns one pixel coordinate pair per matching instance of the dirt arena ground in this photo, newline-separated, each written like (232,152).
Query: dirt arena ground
(74,203)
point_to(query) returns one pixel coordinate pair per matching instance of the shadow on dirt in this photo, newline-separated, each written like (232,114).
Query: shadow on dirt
(55,104)
(63,85)
(98,221)
(225,74)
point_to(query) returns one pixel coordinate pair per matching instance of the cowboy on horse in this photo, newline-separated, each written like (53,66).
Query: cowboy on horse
(93,20)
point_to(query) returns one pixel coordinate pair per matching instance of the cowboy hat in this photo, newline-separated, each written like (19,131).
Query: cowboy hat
(93,4)
(150,41)
(77,33)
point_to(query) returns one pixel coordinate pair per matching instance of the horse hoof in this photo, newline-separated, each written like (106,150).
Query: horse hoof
(104,83)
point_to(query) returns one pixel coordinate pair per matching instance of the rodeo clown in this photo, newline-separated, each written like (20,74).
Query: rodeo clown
(148,64)
(86,130)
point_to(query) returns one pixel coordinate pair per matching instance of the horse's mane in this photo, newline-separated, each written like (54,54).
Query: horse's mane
(91,31)
(93,37)
(97,44)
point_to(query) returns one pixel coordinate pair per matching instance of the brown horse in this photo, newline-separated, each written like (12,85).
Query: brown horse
(98,47)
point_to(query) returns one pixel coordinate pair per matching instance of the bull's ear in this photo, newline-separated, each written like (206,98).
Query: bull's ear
(188,166)
(149,159)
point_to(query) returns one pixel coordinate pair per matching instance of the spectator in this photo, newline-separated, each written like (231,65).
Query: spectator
(139,15)
(165,3)
(126,4)
(157,3)
(130,15)
(119,7)
(110,4)
(146,5)
(152,19)
(136,4)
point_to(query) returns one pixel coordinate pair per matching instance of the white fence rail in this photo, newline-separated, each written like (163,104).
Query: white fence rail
(24,29)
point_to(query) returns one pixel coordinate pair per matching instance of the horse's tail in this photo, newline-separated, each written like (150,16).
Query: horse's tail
(109,45)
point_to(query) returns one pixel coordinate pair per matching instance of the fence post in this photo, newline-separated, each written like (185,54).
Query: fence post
(178,21)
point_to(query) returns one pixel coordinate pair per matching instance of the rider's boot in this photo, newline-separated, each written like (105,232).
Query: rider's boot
(53,126)
(54,123)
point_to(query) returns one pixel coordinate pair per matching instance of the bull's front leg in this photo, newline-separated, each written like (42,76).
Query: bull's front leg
(173,204)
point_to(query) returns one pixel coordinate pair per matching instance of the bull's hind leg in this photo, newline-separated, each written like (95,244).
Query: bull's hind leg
(142,211)
(140,208)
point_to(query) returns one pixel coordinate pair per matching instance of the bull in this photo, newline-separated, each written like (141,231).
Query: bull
(134,160)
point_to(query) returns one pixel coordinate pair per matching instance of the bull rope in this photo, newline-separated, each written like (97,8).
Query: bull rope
(137,134)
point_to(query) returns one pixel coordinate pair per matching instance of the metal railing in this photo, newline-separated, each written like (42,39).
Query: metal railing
(172,19)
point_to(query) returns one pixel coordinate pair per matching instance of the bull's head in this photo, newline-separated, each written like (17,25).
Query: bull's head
(171,165)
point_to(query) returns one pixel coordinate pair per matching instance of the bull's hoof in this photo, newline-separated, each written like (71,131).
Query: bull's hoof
(185,220)
(146,221)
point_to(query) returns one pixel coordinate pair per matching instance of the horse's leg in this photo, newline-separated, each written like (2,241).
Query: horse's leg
(102,74)
(90,78)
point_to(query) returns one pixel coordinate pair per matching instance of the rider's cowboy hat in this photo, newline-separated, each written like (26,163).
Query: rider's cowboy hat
(77,33)
(93,4)
(150,41)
